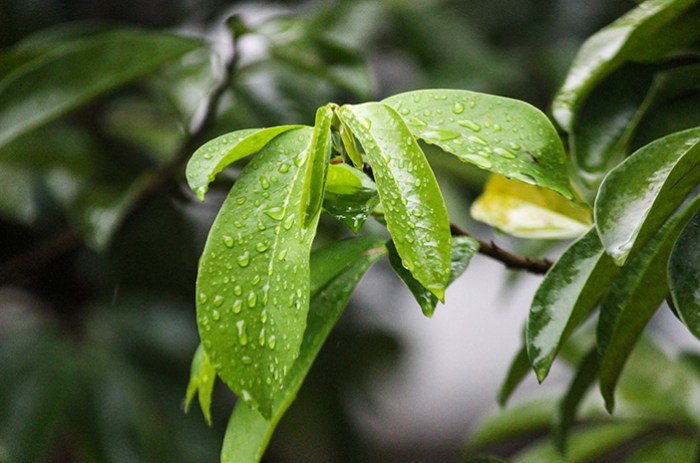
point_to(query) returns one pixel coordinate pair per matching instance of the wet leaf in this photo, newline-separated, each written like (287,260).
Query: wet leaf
(504,136)
(336,270)
(212,157)
(529,211)
(518,370)
(643,191)
(253,286)
(463,249)
(202,377)
(633,299)
(317,167)
(667,24)
(567,295)
(73,73)
(684,276)
(350,195)
(414,209)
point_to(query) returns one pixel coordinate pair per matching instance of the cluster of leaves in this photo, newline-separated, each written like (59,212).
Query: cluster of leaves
(263,315)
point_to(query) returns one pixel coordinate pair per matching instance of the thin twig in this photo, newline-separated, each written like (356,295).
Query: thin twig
(512,261)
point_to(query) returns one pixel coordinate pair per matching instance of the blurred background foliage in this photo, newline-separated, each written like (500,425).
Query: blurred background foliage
(97,323)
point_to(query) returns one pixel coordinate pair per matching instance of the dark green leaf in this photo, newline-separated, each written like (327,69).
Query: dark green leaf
(676,449)
(463,249)
(76,72)
(317,167)
(202,377)
(253,283)
(505,136)
(336,270)
(414,209)
(567,295)
(684,276)
(642,192)
(633,299)
(518,370)
(213,156)
(667,24)
(350,195)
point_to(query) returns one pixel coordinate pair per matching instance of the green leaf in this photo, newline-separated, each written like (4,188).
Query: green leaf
(317,167)
(667,24)
(202,377)
(684,276)
(643,191)
(567,295)
(463,249)
(350,195)
(529,211)
(633,299)
(502,135)
(518,370)
(586,374)
(677,449)
(351,150)
(74,73)
(414,209)
(253,284)
(336,270)
(212,157)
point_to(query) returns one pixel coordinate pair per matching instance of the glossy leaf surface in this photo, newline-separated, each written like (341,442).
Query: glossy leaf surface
(665,23)
(463,249)
(350,195)
(567,295)
(212,157)
(252,286)
(202,377)
(684,276)
(414,209)
(642,192)
(336,270)
(505,136)
(317,167)
(529,211)
(72,74)
(633,299)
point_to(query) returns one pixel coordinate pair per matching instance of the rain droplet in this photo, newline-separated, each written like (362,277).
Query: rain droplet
(503,153)
(261,226)
(471,125)
(262,247)
(515,146)
(237,306)
(241,199)
(264,182)
(366,123)
(263,316)
(272,342)
(299,159)
(275,212)
(228,241)
(427,112)
(261,337)
(479,140)
(218,300)
(242,335)
(416,122)
(283,168)
(458,108)
(203,298)
(282,254)
(404,111)
(246,360)
(252,299)
(440,135)
(237,290)
(244,259)
(215,315)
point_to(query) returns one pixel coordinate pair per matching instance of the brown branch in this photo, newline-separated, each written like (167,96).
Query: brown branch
(511,261)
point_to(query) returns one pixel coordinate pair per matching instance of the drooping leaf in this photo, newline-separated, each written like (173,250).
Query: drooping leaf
(213,156)
(684,276)
(529,211)
(678,449)
(643,191)
(586,374)
(350,195)
(505,136)
(667,24)
(202,377)
(317,167)
(351,150)
(72,74)
(633,299)
(518,370)
(336,270)
(414,209)
(463,249)
(567,295)
(253,284)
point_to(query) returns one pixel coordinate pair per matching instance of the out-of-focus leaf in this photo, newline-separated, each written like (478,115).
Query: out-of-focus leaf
(667,24)
(463,249)
(350,195)
(248,433)
(674,115)
(643,191)
(518,370)
(586,374)
(502,135)
(18,202)
(684,276)
(317,167)
(569,292)
(633,299)
(73,74)
(213,156)
(676,449)
(414,209)
(587,445)
(202,377)
(253,285)
(529,211)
